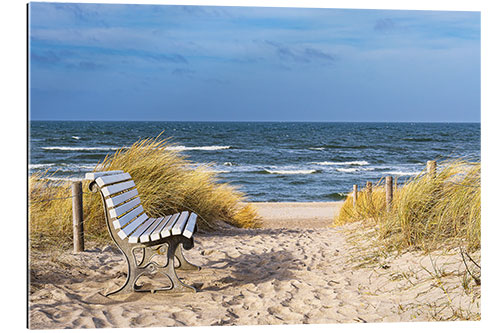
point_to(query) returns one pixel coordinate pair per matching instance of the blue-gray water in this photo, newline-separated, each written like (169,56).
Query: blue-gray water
(282,161)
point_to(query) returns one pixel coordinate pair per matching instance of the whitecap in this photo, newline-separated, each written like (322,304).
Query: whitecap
(41,165)
(403,173)
(291,172)
(348,169)
(182,148)
(80,148)
(76,137)
(342,163)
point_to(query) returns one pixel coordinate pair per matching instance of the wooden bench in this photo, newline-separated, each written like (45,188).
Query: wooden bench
(138,235)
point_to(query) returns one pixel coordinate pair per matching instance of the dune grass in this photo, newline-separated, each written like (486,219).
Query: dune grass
(427,211)
(167,182)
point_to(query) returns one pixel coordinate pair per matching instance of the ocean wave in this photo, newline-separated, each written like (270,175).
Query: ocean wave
(82,148)
(317,148)
(182,148)
(420,139)
(348,169)
(75,137)
(342,163)
(41,165)
(403,173)
(63,166)
(291,172)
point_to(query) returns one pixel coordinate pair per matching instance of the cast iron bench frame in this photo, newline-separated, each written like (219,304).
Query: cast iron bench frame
(132,231)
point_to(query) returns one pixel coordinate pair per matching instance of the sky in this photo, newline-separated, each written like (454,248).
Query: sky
(209,63)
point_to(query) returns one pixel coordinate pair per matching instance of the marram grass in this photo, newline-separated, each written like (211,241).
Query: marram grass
(167,183)
(427,211)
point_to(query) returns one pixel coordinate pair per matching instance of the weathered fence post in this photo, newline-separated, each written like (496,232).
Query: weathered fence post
(76,192)
(388,192)
(431,168)
(369,190)
(354,195)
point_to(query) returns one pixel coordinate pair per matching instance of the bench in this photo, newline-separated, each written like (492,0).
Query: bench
(141,238)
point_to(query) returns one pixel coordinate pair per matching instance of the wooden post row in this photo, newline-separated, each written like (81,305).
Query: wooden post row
(76,191)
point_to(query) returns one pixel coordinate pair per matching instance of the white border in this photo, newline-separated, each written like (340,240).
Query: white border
(13,129)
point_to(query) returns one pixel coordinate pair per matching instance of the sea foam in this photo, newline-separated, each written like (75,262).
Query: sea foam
(182,148)
(342,163)
(81,148)
(291,172)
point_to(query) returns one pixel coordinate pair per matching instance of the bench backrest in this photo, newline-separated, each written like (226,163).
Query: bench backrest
(122,200)
(127,216)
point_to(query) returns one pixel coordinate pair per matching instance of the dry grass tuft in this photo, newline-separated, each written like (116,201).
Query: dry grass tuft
(167,182)
(427,211)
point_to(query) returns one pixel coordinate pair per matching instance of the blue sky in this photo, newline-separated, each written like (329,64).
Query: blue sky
(140,62)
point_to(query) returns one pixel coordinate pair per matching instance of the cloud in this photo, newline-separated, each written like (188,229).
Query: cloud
(183,72)
(318,54)
(89,66)
(82,13)
(300,54)
(45,58)
(175,58)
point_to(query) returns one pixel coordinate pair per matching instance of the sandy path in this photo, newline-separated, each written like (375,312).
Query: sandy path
(308,215)
(265,276)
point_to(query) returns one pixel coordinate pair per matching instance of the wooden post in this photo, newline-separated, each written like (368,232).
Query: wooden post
(388,192)
(354,195)
(76,191)
(369,190)
(431,168)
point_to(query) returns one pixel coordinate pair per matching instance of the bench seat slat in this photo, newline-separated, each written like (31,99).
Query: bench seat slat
(167,231)
(164,225)
(94,175)
(120,210)
(180,224)
(122,221)
(146,236)
(129,229)
(112,189)
(112,179)
(190,226)
(134,237)
(116,200)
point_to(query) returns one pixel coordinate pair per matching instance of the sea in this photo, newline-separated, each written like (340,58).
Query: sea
(268,161)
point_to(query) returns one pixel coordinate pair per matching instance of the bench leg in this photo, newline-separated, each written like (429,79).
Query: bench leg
(136,269)
(184,264)
(177,285)
(132,275)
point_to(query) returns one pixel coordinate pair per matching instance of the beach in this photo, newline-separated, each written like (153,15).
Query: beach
(296,269)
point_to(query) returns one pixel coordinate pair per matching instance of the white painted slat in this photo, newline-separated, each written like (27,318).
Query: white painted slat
(111,179)
(116,200)
(167,231)
(122,221)
(120,210)
(134,237)
(157,233)
(146,236)
(126,231)
(191,224)
(179,225)
(94,175)
(112,189)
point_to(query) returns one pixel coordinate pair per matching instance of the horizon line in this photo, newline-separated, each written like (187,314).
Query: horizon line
(256,121)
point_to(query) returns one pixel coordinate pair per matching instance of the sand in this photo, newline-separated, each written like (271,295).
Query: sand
(307,272)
